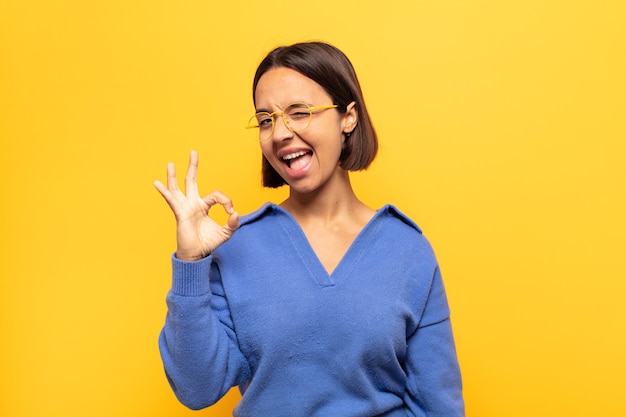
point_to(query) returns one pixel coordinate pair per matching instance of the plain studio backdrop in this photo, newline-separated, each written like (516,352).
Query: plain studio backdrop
(502,130)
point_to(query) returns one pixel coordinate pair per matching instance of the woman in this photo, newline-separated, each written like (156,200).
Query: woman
(317,306)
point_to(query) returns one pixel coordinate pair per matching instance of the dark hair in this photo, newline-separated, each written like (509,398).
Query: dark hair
(333,71)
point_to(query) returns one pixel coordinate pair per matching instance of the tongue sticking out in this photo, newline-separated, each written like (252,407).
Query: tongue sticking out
(299,162)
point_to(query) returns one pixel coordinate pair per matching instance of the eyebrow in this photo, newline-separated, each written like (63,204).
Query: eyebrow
(270,112)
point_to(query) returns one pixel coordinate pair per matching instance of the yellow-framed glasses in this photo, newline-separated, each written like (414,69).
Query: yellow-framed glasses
(296,117)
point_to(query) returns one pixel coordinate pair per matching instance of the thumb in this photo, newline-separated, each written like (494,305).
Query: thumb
(233,222)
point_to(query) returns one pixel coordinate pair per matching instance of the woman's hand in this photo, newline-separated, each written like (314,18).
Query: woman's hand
(197,235)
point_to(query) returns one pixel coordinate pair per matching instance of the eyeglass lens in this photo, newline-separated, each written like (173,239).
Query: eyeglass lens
(297,117)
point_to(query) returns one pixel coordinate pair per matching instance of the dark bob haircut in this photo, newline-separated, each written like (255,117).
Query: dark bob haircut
(333,71)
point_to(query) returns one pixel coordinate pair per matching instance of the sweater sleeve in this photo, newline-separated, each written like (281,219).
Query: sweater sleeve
(198,345)
(434,387)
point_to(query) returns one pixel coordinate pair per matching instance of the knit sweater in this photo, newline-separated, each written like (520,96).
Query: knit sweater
(373,338)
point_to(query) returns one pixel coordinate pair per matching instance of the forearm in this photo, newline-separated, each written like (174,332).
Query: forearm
(434,387)
(199,351)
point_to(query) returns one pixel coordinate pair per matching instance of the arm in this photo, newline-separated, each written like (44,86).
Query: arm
(434,385)
(198,345)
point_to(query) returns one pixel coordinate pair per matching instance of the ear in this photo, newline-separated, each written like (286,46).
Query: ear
(350,118)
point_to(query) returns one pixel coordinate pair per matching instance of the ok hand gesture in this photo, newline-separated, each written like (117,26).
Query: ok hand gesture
(197,235)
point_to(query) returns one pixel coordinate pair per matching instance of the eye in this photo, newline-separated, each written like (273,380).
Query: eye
(264,120)
(298,111)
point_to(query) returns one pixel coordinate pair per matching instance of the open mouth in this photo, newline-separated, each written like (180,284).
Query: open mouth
(296,159)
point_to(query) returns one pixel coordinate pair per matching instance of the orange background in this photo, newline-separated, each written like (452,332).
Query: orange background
(502,134)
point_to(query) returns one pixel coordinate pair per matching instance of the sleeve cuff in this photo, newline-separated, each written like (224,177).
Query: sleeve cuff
(190,278)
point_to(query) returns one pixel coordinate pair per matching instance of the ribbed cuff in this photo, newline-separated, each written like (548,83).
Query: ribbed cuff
(190,278)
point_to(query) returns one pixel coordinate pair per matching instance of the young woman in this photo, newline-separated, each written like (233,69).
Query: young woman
(319,305)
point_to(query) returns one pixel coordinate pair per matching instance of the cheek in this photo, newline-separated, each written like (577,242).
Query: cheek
(329,137)
(266,148)
(336,143)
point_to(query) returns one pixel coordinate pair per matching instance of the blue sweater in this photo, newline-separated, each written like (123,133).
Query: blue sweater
(373,338)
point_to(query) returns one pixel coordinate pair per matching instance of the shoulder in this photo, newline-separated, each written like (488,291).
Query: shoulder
(266,210)
(256,230)
(265,215)
(393,214)
(261,224)
(401,232)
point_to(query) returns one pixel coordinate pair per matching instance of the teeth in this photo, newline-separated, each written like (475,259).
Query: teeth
(294,155)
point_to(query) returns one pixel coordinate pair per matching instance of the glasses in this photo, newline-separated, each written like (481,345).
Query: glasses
(296,117)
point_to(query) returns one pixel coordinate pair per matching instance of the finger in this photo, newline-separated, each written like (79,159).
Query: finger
(165,193)
(216,197)
(172,184)
(160,187)
(233,222)
(191,183)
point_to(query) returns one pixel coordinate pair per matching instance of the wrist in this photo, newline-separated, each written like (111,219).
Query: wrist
(189,257)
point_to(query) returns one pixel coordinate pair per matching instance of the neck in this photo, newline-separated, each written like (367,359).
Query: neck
(326,204)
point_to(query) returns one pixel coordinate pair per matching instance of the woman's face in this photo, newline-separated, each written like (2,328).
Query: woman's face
(309,159)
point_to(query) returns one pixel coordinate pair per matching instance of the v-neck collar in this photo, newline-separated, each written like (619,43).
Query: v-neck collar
(304,250)
(309,257)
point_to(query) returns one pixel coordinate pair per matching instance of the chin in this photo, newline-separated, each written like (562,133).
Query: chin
(302,187)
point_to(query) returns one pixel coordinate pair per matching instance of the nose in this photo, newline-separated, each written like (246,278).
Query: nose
(281,131)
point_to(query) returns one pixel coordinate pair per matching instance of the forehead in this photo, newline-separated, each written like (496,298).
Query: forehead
(281,86)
